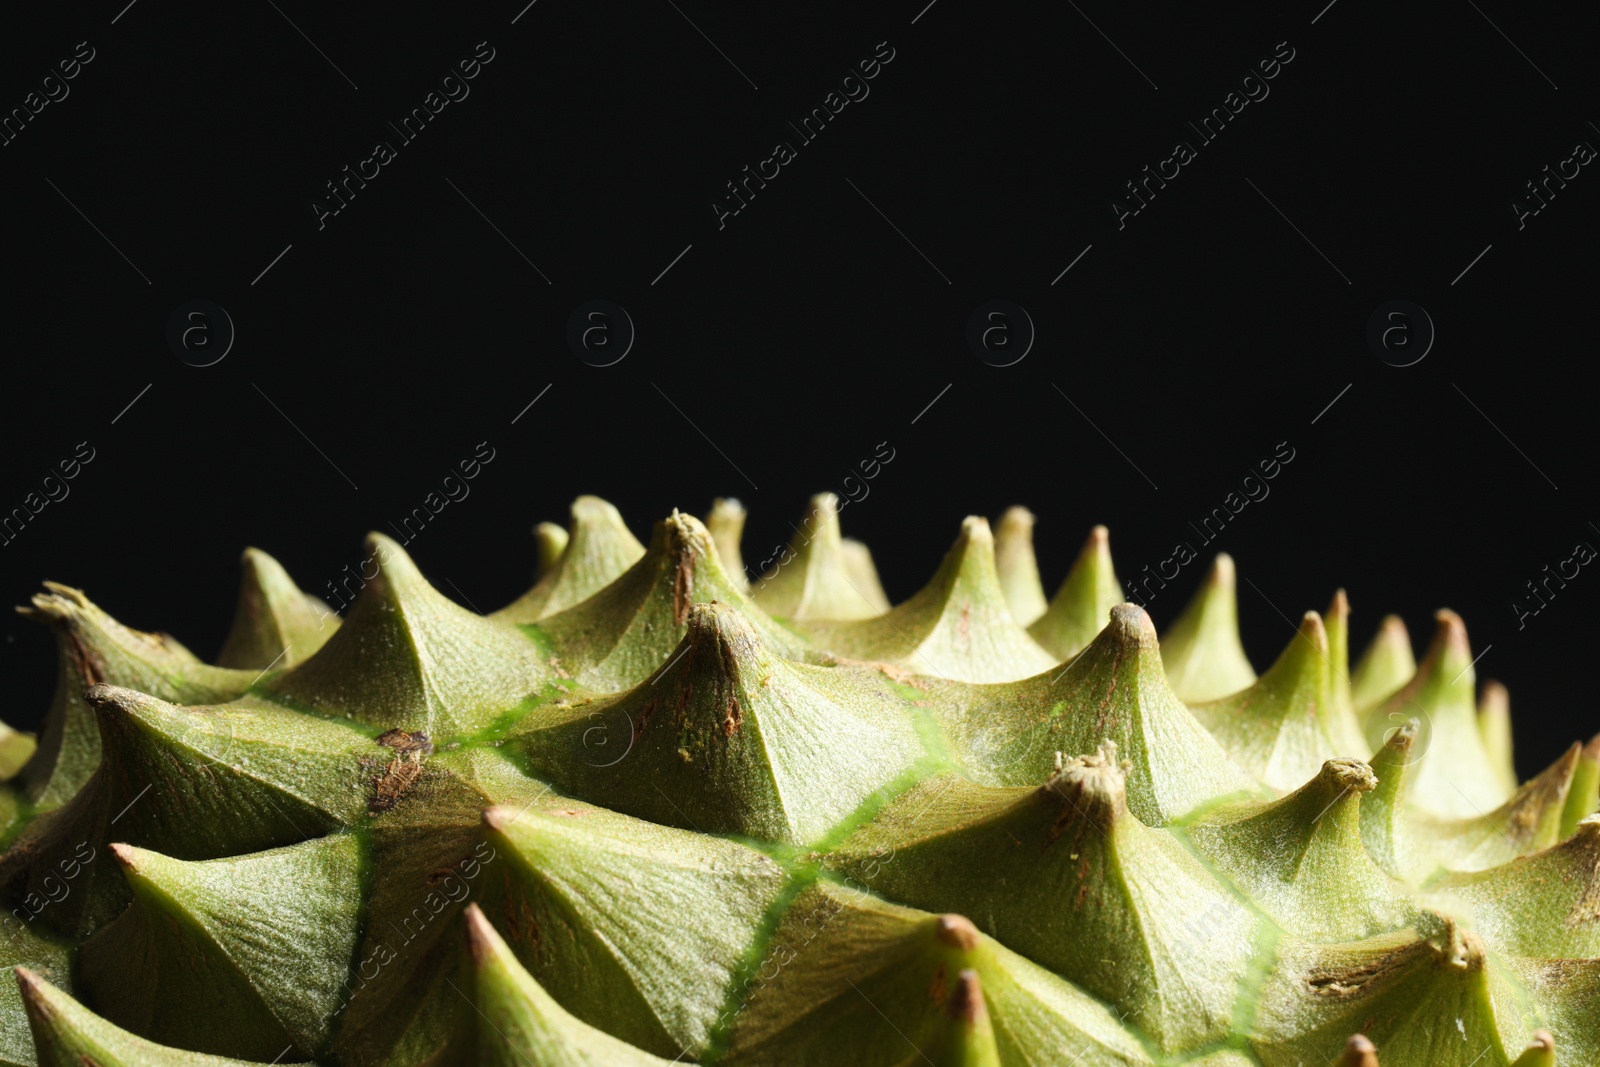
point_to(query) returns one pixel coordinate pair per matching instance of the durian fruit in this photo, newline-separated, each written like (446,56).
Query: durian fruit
(660,810)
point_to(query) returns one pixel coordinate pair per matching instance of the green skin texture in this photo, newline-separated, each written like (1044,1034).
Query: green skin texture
(652,813)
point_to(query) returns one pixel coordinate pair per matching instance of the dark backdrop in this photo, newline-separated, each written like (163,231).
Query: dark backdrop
(779,350)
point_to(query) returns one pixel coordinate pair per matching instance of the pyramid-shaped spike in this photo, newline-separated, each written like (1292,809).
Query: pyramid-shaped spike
(1302,861)
(265,940)
(863,573)
(1088,593)
(1421,999)
(1455,778)
(652,973)
(1529,821)
(956,627)
(1494,724)
(409,658)
(239,777)
(1385,825)
(811,580)
(520,1025)
(93,648)
(1541,1051)
(621,635)
(1514,904)
(24,943)
(725,523)
(197,783)
(67,1034)
(727,738)
(861,978)
(275,625)
(1017,566)
(1342,724)
(1052,869)
(966,1038)
(1279,729)
(1385,665)
(1201,649)
(549,543)
(598,551)
(1114,690)
(1583,798)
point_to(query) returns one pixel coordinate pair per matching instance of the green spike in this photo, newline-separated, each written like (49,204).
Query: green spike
(967,1039)
(651,973)
(520,1025)
(1583,798)
(725,523)
(1278,728)
(1018,568)
(600,549)
(264,940)
(1385,666)
(727,738)
(850,978)
(1202,652)
(303,840)
(1342,724)
(1052,869)
(549,541)
(94,648)
(409,658)
(1544,904)
(238,777)
(1007,734)
(24,946)
(1384,821)
(1494,724)
(618,637)
(196,782)
(1454,776)
(275,625)
(1302,861)
(69,1035)
(1088,593)
(863,573)
(957,627)
(1530,820)
(1422,999)
(812,581)
(1541,1051)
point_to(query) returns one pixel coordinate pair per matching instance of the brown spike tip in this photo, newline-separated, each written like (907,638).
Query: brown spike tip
(966,1000)
(956,931)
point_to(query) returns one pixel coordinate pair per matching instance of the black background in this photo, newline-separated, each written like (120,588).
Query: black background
(808,330)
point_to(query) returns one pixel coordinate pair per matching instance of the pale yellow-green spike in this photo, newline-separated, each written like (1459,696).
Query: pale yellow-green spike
(1203,655)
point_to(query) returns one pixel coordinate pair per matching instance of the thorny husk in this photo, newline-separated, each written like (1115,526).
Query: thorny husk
(658,810)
